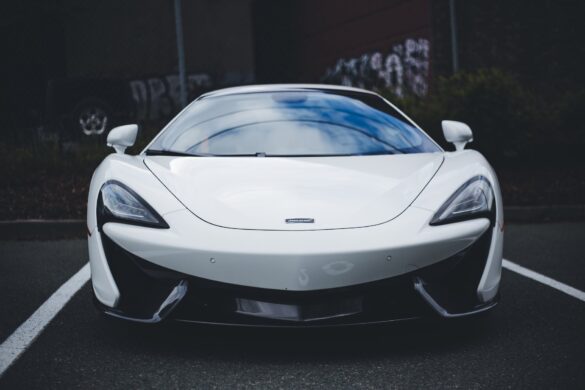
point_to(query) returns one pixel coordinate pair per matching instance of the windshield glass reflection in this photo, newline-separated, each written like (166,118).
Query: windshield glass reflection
(292,123)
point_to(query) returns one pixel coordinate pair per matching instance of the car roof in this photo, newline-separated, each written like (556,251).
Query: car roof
(281,87)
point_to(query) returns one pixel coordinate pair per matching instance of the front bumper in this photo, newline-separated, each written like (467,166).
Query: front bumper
(151,293)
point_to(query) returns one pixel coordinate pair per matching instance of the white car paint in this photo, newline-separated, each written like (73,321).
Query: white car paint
(337,192)
(226,218)
(294,260)
(297,260)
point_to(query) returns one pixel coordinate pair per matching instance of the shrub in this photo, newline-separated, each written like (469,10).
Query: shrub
(571,116)
(505,118)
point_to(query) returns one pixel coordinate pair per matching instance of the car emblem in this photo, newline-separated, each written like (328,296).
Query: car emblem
(299,220)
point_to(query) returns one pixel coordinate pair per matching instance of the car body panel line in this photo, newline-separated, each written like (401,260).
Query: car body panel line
(419,286)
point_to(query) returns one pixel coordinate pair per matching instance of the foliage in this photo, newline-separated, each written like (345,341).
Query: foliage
(571,115)
(44,152)
(507,120)
(45,178)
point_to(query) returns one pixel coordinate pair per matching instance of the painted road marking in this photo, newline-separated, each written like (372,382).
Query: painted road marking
(580,295)
(23,337)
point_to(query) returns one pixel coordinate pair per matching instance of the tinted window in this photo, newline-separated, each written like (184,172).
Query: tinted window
(292,123)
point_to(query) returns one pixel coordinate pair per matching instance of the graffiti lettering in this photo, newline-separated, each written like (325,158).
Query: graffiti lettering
(158,97)
(404,69)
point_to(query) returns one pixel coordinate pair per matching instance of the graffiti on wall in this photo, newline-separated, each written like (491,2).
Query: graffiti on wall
(404,69)
(159,97)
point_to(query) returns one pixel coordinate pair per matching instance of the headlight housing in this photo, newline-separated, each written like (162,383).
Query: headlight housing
(118,203)
(474,199)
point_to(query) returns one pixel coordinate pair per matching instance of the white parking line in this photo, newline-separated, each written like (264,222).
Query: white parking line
(580,295)
(22,338)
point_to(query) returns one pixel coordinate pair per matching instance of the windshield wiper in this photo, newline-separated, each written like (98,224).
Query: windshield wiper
(155,152)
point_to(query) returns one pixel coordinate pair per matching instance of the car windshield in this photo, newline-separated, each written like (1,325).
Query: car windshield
(291,123)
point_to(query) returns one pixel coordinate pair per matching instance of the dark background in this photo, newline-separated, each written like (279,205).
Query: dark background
(520,86)
(520,83)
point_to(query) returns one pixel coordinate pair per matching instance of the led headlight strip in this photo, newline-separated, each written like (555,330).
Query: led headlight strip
(474,199)
(119,203)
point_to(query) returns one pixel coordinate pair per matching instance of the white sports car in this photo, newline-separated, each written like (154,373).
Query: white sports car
(294,205)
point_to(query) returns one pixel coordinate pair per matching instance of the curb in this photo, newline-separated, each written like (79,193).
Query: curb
(45,229)
(75,228)
(555,213)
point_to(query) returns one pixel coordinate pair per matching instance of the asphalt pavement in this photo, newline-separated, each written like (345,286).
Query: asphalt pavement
(533,339)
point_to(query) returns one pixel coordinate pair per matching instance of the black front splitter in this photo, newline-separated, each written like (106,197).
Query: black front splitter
(166,307)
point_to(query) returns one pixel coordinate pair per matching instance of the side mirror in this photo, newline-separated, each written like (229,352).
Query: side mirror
(458,133)
(122,137)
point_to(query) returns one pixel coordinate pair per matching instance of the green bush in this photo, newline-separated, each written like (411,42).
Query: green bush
(47,154)
(506,119)
(571,117)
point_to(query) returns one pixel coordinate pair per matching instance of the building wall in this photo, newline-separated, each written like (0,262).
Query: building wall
(129,39)
(375,44)
(33,50)
(82,47)
(539,41)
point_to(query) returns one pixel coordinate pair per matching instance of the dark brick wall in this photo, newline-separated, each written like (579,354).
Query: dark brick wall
(43,40)
(330,29)
(112,38)
(540,41)
(301,40)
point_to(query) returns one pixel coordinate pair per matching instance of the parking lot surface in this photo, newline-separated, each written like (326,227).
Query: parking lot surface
(533,339)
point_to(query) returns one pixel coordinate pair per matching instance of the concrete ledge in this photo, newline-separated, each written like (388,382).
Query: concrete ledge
(50,229)
(555,213)
(44,229)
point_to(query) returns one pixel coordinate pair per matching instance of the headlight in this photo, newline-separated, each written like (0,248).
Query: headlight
(474,199)
(119,203)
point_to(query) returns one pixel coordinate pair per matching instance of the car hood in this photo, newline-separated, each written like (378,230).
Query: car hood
(264,192)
